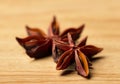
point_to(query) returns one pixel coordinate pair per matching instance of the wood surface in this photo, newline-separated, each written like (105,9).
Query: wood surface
(102,20)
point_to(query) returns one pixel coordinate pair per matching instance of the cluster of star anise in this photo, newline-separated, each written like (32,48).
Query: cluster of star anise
(61,46)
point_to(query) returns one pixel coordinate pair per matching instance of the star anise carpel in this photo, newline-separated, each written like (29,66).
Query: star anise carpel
(38,44)
(80,54)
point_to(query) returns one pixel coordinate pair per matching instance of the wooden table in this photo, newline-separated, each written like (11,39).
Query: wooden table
(102,19)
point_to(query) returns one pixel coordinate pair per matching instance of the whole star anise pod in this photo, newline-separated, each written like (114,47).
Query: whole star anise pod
(79,54)
(38,44)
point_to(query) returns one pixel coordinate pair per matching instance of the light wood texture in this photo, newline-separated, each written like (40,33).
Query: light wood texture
(102,19)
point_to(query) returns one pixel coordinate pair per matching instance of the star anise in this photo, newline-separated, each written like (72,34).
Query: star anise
(79,54)
(38,44)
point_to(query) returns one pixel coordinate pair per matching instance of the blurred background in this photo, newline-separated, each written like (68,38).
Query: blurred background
(102,25)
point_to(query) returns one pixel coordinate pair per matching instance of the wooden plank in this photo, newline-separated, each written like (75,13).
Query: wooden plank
(102,19)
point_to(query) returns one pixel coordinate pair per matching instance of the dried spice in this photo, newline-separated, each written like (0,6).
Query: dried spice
(38,44)
(62,47)
(79,54)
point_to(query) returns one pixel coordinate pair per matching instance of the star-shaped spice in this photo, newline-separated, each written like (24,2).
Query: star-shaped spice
(38,44)
(80,54)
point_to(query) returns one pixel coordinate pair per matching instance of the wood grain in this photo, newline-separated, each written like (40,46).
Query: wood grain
(102,19)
